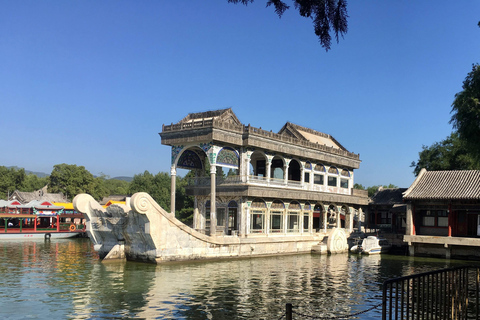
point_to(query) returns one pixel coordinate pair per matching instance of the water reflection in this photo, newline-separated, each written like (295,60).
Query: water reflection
(64,279)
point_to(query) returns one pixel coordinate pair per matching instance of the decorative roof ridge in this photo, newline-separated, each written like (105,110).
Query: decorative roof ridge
(309,130)
(315,132)
(206,114)
(414,184)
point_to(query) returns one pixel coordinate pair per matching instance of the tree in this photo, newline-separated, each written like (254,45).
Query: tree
(449,154)
(327,16)
(158,187)
(116,186)
(71,180)
(32,182)
(373,189)
(466,112)
(12,179)
(359,186)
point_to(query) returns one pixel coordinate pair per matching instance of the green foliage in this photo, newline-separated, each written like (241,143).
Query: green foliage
(115,186)
(449,154)
(12,179)
(327,15)
(372,190)
(71,180)
(466,111)
(159,187)
(359,186)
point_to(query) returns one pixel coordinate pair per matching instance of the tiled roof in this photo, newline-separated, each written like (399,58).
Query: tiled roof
(311,135)
(388,196)
(445,185)
(223,114)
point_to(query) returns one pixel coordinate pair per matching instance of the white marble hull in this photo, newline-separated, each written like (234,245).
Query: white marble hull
(146,232)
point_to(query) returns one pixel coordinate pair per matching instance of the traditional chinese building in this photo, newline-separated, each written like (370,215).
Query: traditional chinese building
(253,182)
(443,214)
(387,211)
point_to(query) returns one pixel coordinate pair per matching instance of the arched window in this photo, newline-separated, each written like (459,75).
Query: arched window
(332,179)
(232,217)
(344,179)
(258,164)
(277,212)
(307,208)
(319,175)
(228,157)
(189,160)
(294,172)
(307,172)
(257,216)
(318,217)
(276,168)
(293,217)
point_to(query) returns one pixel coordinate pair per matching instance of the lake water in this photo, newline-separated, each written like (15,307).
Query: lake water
(63,279)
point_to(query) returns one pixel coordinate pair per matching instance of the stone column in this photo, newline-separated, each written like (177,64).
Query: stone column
(213,207)
(285,174)
(173,174)
(351,212)
(310,221)
(196,216)
(300,220)
(339,219)
(360,218)
(247,170)
(269,170)
(302,175)
(241,216)
(267,220)
(325,218)
(409,230)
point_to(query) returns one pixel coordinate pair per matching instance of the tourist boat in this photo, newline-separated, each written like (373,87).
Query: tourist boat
(39,220)
(35,226)
(371,245)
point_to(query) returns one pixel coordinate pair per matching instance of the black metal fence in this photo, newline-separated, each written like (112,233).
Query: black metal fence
(443,294)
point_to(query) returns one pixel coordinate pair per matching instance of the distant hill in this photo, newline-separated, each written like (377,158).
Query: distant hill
(43,174)
(128,179)
(38,174)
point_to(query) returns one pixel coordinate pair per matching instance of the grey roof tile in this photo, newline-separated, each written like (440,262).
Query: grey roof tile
(445,185)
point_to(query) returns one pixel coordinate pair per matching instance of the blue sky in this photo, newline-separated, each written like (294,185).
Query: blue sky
(91,82)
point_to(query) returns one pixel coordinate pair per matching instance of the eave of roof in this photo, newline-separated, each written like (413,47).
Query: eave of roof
(445,185)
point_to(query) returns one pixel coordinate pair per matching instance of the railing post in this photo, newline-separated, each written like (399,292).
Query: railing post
(288,311)
(384,302)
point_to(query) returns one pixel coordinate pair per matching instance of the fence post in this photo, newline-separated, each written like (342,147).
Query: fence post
(288,311)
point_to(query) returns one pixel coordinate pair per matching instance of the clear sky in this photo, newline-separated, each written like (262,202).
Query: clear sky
(91,82)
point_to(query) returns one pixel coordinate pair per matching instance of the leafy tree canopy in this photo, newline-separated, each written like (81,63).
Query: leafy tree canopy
(449,154)
(71,180)
(12,179)
(158,187)
(115,186)
(327,15)
(466,111)
(373,189)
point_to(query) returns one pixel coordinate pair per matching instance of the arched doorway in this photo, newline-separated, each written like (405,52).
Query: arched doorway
(232,223)
(318,218)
